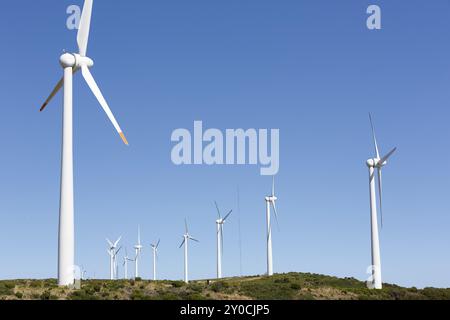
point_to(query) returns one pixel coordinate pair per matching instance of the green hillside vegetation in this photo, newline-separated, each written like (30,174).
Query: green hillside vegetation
(291,286)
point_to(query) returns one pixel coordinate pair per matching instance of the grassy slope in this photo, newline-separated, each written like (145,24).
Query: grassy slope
(297,286)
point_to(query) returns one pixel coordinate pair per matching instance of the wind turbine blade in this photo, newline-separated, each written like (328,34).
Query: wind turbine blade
(109,242)
(85,25)
(386,157)
(218,211)
(117,242)
(53,93)
(229,214)
(139,235)
(374,137)
(194,239)
(186,226)
(380,194)
(157,245)
(273,186)
(275,214)
(115,254)
(98,94)
(184,240)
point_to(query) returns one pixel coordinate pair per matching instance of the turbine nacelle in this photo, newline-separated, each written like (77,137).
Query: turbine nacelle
(271,199)
(375,163)
(74,60)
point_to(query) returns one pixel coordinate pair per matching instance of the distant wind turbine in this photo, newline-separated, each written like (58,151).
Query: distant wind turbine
(112,252)
(155,257)
(219,233)
(138,249)
(126,259)
(185,242)
(270,202)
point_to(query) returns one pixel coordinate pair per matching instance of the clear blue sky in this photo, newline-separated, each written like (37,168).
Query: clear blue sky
(309,68)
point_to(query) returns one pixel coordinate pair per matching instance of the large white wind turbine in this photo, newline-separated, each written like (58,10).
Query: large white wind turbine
(126,259)
(376,163)
(219,233)
(155,256)
(186,238)
(138,249)
(112,252)
(270,201)
(72,63)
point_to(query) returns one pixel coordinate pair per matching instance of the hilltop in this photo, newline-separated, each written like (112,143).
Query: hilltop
(290,286)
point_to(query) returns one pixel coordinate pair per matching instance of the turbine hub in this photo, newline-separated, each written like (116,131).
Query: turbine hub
(83,61)
(67,60)
(375,163)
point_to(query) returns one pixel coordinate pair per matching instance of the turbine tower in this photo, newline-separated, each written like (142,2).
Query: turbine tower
(377,164)
(71,64)
(112,252)
(219,233)
(185,242)
(270,202)
(116,265)
(155,256)
(137,249)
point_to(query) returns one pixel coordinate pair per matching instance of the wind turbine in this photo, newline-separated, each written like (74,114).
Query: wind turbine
(126,259)
(71,64)
(376,163)
(137,249)
(270,201)
(155,256)
(185,242)
(112,256)
(219,227)
(83,272)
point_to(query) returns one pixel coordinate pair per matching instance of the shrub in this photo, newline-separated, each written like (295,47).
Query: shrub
(177,284)
(6,290)
(19,295)
(282,280)
(81,295)
(219,286)
(295,286)
(45,295)
(195,296)
(36,284)
(168,296)
(139,295)
(195,287)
